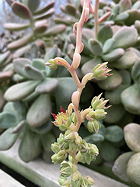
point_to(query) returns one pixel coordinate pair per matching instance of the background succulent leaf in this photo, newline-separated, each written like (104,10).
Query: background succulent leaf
(40,110)
(120,166)
(132,104)
(20,91)
(7,120)
(112,82)
(133,168)
(131,135)
(105,33)
(21,10)
(32,5)
(30,146)
(7,139)
(47,86)
(63,92)
(125,37)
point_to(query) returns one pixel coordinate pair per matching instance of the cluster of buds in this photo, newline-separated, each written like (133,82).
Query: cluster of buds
(95,113)
(84,153)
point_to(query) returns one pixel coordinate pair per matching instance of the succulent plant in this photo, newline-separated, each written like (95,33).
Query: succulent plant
(34,93)
(127,165)
(125,12)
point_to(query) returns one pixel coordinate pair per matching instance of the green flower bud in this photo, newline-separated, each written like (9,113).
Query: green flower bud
(78,139)
(52,64)
(89,180)
(98,102)
(66,169)
(59,157)
(63,181)
(100,114)
(93,126)
(55,147)
(93,149)
(101,71)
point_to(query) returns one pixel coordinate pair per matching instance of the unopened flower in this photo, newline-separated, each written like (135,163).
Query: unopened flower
(99,103)
(101,71)
(93,126)
(51,63)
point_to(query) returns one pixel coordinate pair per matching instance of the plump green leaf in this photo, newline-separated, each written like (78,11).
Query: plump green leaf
(132,104)
(20,90)
(38,63)
(47,86)
(30,146)
(40,111)
(33,5)
(45,8)
(120,166)
(88,66)
(70,9)
(125,5)
(21,10)
(20,42)
(44,15)
(114,115)
(125,37)
(114,134)
(7,120)
(55,30)
(19,66)
(95,47)
(129,58)
(11,107)
(113,55)
(63,91)
(33,73)
(7,139)
(106,149)
(105,33)
(45,128)
(133,168)
(112,82)
(108,45)
(94,138)
(16,26)
(4,56)
(136,71)
(131,135)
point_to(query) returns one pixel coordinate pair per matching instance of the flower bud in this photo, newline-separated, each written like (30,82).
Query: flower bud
(86,78)
(93,126)
(65,169)
(101,71)
(76,60)
(78,156)
(59,157)
(55,147)
(75,98)
(52,64)
(78,139)
(89,180)
(98,103)
(93,149)
(100,114)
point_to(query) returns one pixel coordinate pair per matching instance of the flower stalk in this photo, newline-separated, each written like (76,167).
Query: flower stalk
(70,148)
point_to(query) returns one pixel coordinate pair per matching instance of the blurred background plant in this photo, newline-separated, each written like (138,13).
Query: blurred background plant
(117,41)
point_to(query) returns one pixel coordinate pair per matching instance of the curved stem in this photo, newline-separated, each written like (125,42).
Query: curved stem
(96,17)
